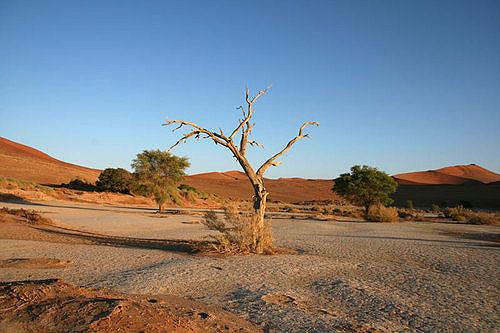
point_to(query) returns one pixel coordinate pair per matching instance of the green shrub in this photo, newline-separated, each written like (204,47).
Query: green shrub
(187,188)
(366,186)
(80,185)
(157,172)
(380,213)
(115,180)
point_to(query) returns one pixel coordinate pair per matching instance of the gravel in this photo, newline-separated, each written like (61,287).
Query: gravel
(348,276)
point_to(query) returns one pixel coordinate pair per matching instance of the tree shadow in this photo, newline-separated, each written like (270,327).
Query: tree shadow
(171,245)
(12,198)
(493,237)
(490,244)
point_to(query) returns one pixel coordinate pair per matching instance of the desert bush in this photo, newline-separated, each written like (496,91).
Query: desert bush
(465,204)
(483,218)
(290,209)
(31,216)
(115,180)
(409,204)
(405,213)
(315,208)
(79,185)
(458,213)
(13,183)
(410,214)
(187,188)
(380,213)
(235,231)
(462,214)
(188,192)
(326,211)
(435,208)
(188,195)
(167,194)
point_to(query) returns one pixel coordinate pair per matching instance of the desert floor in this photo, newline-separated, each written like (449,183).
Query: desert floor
(346,276)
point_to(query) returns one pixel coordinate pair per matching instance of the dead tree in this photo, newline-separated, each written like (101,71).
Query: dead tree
(256,177)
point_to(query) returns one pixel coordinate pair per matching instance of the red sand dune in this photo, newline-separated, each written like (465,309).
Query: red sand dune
(235,185)
(452,175)
(23,162)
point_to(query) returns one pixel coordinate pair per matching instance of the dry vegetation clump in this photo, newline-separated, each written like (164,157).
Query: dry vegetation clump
(236,231)
(380,213)
(319,208)
(462,214)
(80,185)
(409,204)
(31,216)
(191,194)
(13,184)
(435,208)
(410,214)
(458,213)
(289,209)
(348,211)
(484,218)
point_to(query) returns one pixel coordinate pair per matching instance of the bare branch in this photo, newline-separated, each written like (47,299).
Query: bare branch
(218,138)
(249,112)
(184,138)
(255,143)
(272,161)
(259,94)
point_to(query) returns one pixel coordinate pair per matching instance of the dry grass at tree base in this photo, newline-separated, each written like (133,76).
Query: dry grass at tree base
(380,213)
(236,230)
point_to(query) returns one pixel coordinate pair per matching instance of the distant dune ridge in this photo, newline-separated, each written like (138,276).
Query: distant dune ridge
(471,183)
(24,162)
(452,175)
(235,185)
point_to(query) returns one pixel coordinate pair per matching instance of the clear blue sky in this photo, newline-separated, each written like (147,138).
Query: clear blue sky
(400,85)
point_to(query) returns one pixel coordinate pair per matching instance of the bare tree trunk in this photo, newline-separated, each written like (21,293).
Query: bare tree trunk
(259,206)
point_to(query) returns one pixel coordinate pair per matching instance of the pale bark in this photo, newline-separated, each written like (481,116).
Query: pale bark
(238,150)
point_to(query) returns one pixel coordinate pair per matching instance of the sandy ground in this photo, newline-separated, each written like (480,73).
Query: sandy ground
(52,305)
(346,277)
